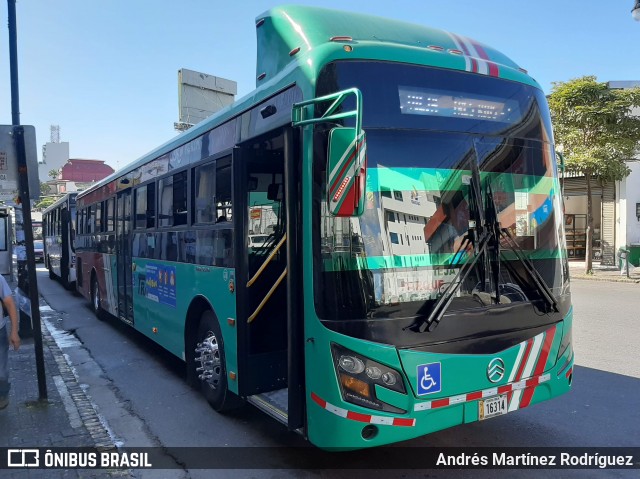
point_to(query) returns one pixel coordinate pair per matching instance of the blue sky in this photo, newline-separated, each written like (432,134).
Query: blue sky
(106,70)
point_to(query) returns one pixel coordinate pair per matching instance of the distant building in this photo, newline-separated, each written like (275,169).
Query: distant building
(78,174)
(85,171)
(54,157)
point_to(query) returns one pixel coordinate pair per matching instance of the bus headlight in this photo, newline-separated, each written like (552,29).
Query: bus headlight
(358,377)
(351,364)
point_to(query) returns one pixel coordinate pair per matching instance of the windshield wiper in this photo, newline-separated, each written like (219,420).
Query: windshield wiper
(538,280)
(477,236)
(493,225)
(484,234)
(438,310)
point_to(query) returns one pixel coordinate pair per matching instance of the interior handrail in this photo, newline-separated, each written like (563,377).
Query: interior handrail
(268,295)
(266,262)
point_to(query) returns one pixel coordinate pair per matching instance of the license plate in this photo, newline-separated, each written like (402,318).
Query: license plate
(495,406)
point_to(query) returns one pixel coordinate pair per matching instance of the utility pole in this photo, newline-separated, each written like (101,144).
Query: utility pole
(27,280)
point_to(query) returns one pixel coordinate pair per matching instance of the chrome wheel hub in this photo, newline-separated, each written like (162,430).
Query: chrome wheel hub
(208,355)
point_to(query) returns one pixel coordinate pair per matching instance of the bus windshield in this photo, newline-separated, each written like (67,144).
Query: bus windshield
(397,259)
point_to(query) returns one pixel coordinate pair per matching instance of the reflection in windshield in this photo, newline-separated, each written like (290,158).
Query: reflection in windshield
(401,254)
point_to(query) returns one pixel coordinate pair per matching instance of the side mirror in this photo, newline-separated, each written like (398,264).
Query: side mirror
(346,172)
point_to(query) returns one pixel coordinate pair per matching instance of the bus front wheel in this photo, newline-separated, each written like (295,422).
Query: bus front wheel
(210,367)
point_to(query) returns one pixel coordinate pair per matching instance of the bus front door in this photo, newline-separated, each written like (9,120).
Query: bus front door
(123,257)
(269,332)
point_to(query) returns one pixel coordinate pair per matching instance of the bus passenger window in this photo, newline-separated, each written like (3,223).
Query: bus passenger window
(110,208)
(140,220)
(81,214)
(204,194)
(180,198)
(223,194)
(90,219)
(98,217)
(165,198)
(151,205)
(223,248)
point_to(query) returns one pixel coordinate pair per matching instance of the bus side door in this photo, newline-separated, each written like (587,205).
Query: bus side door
(123,257)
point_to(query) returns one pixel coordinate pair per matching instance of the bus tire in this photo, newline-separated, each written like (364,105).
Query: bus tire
(95,298)
(51,274)
(209,356)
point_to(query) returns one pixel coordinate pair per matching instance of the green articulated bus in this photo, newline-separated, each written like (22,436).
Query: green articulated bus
(369,247)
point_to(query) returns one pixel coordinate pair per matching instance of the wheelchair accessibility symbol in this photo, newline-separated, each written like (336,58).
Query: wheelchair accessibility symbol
(429,378)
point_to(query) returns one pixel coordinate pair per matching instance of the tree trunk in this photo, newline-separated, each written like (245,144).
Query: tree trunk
(588,263)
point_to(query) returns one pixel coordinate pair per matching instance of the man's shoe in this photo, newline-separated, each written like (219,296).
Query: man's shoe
(4,402)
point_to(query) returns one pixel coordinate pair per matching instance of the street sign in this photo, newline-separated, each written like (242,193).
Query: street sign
(9,182)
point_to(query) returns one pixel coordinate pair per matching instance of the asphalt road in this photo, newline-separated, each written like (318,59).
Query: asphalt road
(140,392)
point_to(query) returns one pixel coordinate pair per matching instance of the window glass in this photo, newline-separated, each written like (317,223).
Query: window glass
(179,208)
(223,193)
(80,222)
(165,199)
(204,204)
(90,219)
(98,215)
(110,212)
(141,207)
(151,205)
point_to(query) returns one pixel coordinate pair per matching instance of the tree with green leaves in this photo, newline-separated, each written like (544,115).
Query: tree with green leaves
(45,202)
(53,174)
(45,189)
(599,131)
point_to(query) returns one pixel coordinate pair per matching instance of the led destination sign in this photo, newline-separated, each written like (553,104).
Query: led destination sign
(422,101)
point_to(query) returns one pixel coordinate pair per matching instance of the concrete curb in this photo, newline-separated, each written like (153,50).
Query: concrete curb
(611,279)
(87,413)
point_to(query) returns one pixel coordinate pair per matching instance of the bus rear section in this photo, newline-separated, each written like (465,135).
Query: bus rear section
(58,232)
(446,300)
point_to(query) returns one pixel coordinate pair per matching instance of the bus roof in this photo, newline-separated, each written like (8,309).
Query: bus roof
(299,37)
(283,29)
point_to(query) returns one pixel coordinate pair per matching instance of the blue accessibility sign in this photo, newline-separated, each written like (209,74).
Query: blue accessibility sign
(429,378)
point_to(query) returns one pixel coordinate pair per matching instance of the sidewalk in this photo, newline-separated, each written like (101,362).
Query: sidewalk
(603,273)
(66,419)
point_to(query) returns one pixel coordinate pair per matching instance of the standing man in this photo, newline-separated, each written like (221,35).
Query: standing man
(8,309)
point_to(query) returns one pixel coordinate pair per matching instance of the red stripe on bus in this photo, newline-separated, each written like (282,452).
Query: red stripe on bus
(474,65)
(505,389)
(356,416)
(439,403)
(321,402)
(539,368)
(346,165)
(397,421)
(531,382)
(493,68)
(525,356)
(494,71)
(474,396)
